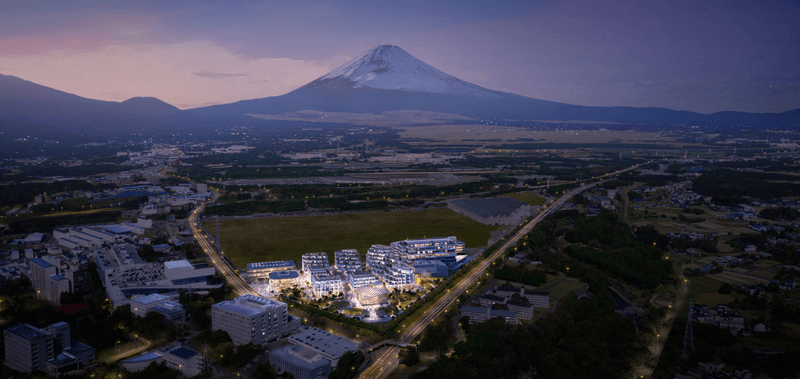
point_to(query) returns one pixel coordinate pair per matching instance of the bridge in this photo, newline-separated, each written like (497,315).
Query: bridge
(383,343)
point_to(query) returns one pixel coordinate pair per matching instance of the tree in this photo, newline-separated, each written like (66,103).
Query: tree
(725,289)
(409,356)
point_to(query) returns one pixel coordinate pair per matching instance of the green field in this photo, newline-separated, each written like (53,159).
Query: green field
(287,238)
(528,197)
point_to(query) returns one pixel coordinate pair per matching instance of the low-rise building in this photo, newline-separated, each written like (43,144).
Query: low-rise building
(260,270)
(300,361)
(330,346)
(361,278)
(326,284)
(280,280)
(188,362)
(171,310)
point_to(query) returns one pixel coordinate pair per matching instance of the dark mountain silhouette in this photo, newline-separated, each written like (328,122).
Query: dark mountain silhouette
(33,108)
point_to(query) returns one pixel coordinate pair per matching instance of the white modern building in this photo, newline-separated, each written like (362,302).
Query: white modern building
(361,278)
(443,249)
(326,284)
(347,260)
(261,270)
(398,275)
(314,262)
(251,318)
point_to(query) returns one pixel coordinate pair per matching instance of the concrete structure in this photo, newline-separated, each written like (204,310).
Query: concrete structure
(361,278)
(314,262)
(443,249)
(300,361)
(538,299)
(260,270)
(492,211)
(172,311)
(251,318)
(330,346)
(347,260)
(280,280)
(430,269)
(480,313)
(49,281)
(188,362)
(182,273)
(28,348)
(326,284)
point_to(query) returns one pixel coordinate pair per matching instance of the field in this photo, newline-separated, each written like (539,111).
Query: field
(271,239)
(560,286)
(705,291)
(488,135)
(528,197)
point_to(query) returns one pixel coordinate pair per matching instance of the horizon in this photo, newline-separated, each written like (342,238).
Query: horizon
(704,58)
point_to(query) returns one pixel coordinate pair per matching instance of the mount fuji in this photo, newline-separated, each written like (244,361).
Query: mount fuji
(387,78)
(388,67)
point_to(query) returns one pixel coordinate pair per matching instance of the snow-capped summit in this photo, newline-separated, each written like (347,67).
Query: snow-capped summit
(388,67)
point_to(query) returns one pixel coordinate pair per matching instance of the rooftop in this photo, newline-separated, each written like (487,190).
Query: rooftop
(183,352)
(41,263)
(178,264)
(27,331)
(301,356)
(278,275)
(272,264)
(324,342)
(150,299)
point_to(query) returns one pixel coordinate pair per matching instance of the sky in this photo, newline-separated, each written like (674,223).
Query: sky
(703,56)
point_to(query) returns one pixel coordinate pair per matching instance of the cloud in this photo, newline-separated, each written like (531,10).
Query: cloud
(169,72)
(217,75)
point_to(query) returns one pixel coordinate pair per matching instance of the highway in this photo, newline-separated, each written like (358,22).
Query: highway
(217,257)
(387,361)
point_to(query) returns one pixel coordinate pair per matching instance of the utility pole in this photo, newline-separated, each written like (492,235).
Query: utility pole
(688,335)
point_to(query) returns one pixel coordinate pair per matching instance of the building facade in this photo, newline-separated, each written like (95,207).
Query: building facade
(251,318)
(347,260)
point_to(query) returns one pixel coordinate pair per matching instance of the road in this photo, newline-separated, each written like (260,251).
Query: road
(217,257)
(387,361)
(662,340)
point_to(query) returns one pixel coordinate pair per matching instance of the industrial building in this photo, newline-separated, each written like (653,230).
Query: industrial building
(492,210)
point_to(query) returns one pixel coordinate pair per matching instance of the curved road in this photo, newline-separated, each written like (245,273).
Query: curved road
(387,361)
(217,257)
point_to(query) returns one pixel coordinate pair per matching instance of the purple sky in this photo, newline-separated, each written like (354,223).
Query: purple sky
(703,56)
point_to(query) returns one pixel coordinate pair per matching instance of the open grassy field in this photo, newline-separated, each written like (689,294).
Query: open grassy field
(271,239)
(731,277)
(528,197)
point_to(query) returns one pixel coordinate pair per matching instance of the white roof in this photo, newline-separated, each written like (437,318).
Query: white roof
(178,264)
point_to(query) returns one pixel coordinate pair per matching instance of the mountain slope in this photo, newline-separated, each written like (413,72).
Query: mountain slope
(28,105)
(387,78)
